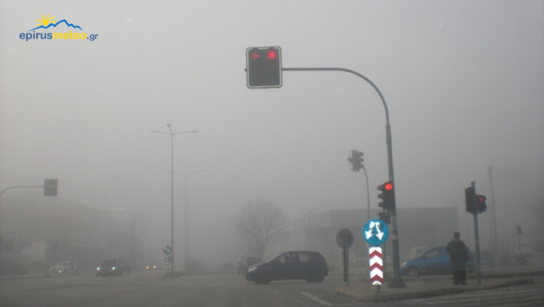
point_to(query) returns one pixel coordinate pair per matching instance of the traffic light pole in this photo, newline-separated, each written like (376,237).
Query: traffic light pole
(477,239)
(397,281)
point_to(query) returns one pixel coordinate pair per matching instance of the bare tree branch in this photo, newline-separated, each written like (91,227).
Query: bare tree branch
(260,225)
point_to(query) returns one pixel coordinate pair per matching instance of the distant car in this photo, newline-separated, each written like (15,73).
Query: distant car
(151,267)
(243,266)
(63,267)
(114,267)
(310,266)
(524,249)
(487,258)
(415,252)
(433,262)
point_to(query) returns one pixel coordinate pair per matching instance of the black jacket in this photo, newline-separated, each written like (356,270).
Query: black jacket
(458,254)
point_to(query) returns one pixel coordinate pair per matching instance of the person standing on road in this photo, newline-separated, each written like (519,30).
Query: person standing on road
(458,257)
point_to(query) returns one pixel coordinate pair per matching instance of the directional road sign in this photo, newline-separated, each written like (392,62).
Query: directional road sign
(167,250)
(375,232)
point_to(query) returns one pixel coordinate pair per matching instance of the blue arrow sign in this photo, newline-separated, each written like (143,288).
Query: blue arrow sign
(167,250)
(375,232)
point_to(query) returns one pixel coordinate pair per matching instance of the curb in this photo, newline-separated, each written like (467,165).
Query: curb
(508,274)
(382,298)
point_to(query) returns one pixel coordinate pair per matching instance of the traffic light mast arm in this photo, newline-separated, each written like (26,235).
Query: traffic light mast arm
(387,123)
(21,187)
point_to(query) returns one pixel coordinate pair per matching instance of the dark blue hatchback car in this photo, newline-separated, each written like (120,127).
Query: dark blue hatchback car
(310,266)
(433,262)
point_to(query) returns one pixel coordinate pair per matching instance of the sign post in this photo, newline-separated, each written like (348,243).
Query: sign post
(375,232)
(167,250)
(344,239)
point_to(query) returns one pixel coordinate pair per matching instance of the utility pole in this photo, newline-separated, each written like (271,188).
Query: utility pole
(494,244)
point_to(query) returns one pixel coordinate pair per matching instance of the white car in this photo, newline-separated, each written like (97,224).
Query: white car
(524,249)
(63,267)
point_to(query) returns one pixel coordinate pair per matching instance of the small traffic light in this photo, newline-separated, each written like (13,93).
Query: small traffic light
(50,187)
(387,196)
(480,203)
(356,160)
(470,200)
(263,66)
(385,217)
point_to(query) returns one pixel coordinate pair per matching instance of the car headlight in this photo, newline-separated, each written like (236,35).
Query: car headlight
(252,269)
(98,268)
(113,268)
(403,264)
(154,267)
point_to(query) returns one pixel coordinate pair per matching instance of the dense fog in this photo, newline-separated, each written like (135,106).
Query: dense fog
(462,81)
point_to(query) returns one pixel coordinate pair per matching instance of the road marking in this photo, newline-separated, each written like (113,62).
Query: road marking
(316,299)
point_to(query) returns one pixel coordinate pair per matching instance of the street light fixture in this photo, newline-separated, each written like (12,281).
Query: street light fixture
(172,188)
(186,216)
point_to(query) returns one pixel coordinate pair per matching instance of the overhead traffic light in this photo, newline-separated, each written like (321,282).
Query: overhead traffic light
(50,187)
(356,159)
(263,66)
(387,196)
(470,200)
(480,203)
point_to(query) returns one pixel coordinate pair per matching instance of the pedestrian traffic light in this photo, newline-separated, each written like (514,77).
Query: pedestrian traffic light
(480,203)
(50,187)
(387,196)
(263,67)
(385,217)
(470,200)
(356,159)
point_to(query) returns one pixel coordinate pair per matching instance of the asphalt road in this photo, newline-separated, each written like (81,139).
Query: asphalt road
(221,290)
(153,289)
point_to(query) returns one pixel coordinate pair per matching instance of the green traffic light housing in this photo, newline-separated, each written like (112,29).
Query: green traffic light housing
(356,159)
(387,196)
(470,200)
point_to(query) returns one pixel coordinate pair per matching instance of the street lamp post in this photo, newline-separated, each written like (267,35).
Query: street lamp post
(186,218)
(172,186)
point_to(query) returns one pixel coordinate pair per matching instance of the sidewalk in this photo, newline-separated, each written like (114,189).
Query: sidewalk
(427,286)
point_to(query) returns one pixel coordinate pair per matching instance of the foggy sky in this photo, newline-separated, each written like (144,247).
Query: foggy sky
(463,81)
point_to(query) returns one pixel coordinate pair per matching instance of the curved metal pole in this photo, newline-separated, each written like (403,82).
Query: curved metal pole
(387,124)
(397,281)
(21,187)
(367,195)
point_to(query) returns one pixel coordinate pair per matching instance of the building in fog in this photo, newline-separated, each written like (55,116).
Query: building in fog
(418,227)
(39,231)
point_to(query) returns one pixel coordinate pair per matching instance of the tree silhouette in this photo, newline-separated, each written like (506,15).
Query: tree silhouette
(260,224)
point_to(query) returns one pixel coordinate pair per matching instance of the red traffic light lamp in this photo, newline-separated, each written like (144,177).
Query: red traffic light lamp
(481,206)
(387,196)
(388,186)
(263,67)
